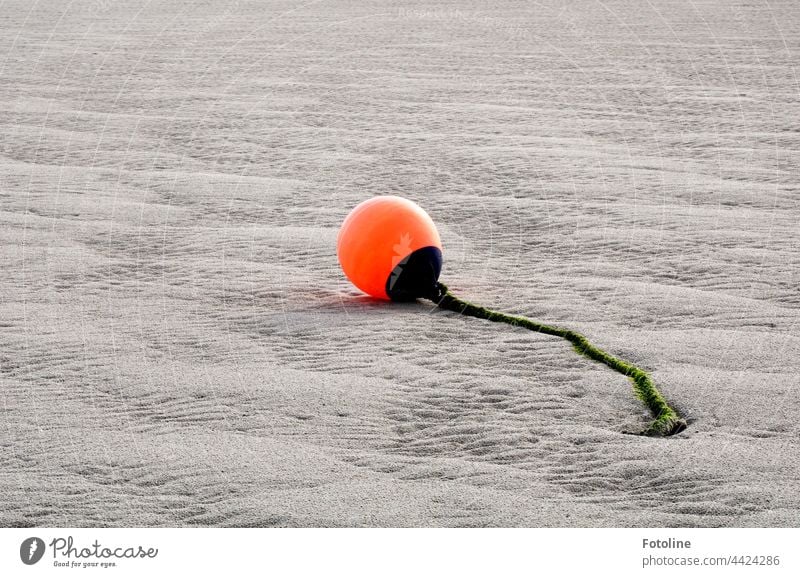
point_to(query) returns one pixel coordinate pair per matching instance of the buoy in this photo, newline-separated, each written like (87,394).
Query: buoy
(390,249)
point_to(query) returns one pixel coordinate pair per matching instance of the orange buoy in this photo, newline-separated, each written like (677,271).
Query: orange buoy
(390,249)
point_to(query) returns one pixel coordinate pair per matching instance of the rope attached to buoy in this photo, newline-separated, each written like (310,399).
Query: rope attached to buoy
(666,420)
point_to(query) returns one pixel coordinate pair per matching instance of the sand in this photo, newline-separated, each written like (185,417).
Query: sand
(178,346)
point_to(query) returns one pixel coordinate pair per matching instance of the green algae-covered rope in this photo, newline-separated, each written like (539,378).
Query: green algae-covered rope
(667,421)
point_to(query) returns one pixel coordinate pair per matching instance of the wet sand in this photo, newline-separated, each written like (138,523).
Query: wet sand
(179,347)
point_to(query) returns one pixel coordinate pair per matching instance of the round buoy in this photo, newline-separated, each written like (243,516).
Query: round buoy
(390,249)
